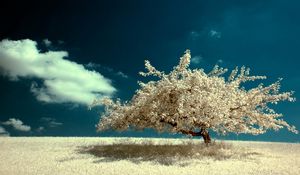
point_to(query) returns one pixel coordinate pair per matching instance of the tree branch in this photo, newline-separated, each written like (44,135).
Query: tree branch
(236,108)
(174,124)
(190,132)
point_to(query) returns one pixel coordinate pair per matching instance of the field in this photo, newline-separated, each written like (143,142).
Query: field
(103,156)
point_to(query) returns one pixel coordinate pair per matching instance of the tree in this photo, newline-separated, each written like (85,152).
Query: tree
(186,101)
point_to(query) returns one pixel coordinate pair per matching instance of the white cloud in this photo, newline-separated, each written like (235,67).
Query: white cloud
(51,122)
(196,59)
(17,124)
(215,34)
(47,42)
(3,132)
(63,81)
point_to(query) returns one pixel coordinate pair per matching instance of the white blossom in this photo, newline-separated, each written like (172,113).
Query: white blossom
(188,100)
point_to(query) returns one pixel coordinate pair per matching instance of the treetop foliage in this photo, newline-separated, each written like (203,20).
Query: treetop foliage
(187,100)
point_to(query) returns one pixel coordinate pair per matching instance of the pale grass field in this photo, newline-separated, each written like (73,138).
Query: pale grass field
(118,156)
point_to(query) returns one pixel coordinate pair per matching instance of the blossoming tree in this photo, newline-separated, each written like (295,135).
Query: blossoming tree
(193,102)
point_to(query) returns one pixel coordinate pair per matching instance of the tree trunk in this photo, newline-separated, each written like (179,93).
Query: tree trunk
(203,132)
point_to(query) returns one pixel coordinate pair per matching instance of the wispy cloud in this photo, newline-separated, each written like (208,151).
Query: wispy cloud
(17,125)
(51,122)
(54,124)
(47,42)
(95,66)
(196,59)
(3,132)
(215,34)
(220,61)
(194,35)
(63,81)
(122,74)
(40,129)
(92,65)
(212,33)
(60,42)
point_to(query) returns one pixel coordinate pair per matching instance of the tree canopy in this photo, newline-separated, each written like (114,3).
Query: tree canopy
(186,100)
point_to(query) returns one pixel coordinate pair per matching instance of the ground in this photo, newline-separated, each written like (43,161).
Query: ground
(86,155)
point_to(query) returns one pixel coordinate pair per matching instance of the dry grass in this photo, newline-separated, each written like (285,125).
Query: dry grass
(141,156)
(165,154)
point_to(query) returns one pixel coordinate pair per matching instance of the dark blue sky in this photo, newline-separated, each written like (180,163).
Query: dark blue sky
(115,37)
